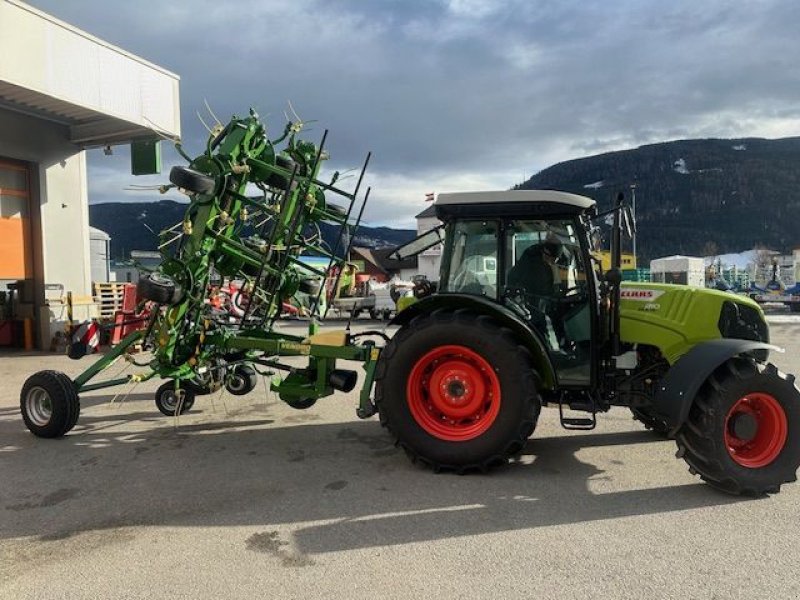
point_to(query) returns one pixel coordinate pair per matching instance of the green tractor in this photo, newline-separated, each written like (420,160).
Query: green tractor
(525,318)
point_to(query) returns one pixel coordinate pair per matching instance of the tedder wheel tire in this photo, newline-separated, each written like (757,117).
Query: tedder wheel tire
(457,391)
(242,380)
(191,180)
(167,399)
(279,181)
(49,404)
(299,403)
(310,286)
(335,209)
(650,421)
(743,431)
(159,288)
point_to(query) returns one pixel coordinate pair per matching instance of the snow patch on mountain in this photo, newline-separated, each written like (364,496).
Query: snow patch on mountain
(679,166)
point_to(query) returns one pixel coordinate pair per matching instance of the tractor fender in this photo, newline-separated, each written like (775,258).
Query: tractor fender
(527,336)
(676,391)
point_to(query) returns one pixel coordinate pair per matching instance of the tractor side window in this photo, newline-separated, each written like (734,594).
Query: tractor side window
(473,259)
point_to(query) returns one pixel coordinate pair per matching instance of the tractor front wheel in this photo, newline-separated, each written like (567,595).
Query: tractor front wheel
(457,391)
(743,430)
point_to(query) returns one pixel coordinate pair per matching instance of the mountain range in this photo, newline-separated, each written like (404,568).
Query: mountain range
(696,197)
(135,225)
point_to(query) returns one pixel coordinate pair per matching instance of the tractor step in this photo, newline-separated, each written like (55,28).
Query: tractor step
(581,423)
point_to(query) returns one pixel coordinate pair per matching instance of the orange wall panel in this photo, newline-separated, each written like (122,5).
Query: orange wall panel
(15,254)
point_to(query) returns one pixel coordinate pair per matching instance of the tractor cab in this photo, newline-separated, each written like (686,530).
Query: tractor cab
(528,252)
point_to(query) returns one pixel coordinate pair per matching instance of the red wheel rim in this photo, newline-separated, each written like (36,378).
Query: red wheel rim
(772,428)
(453,393)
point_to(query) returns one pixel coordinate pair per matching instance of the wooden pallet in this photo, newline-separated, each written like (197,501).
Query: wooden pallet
(109,297)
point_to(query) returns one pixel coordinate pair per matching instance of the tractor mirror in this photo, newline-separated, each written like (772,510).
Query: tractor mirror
(628,222)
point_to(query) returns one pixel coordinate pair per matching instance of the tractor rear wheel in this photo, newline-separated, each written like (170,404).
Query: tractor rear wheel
(743,430)
(49,404)
(457,391)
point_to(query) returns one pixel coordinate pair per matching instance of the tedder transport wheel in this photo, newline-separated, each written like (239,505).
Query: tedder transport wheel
(650,421)
(191,180)
(242,380)
(167,400)
(743,430)
(49,403)
(457,391)
(159,288)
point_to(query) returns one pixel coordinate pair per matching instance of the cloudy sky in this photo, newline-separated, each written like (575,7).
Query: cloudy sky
(463,94)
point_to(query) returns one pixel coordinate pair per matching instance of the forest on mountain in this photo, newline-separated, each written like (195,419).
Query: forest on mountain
(696,197)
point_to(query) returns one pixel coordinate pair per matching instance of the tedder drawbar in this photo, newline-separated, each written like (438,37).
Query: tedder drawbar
(523,317)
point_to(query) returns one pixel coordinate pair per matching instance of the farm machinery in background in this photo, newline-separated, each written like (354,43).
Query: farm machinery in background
(524,317)
(775,291)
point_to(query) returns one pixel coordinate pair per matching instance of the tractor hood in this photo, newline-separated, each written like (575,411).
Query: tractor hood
(674,318)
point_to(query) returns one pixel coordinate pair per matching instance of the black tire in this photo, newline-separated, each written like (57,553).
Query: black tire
(650,421)
(336,210)
(708,439)
(242,380)
(483,344)
(49,404)
(299,403)
(794,307)
(167,400)
(373,314)
(191,180)
(280,181)
(159,288)
(310,286)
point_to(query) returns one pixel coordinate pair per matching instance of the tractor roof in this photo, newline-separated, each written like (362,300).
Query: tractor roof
(515,203)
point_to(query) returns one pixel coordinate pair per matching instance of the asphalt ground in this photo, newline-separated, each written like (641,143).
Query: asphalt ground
(247,498)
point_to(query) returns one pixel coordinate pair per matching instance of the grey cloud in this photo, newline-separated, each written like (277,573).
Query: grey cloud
(471,86)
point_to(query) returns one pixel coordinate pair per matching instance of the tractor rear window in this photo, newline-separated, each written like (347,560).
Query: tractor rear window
(473,259)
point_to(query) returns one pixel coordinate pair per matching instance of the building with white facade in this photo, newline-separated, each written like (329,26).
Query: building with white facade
(62,91)
(429,261)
